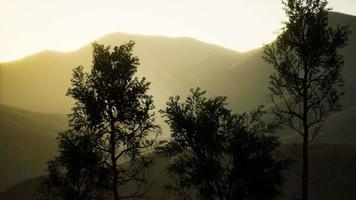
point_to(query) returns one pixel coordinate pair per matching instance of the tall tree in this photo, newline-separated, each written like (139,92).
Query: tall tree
(305,87)
(115,107)
(219,154)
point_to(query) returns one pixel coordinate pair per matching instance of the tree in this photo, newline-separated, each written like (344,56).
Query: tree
(304,88)
(117,110)
(77,173)
(219,154)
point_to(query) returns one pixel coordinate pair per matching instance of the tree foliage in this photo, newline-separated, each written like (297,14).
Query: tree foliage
(219,154)
(113,108)
(305,86)
(77,173)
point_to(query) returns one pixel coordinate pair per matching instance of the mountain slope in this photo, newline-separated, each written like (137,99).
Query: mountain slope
(173,65)
(27,141)
(39,82)
(349,53)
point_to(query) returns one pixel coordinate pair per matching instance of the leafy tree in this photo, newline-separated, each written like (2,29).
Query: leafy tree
(114,109)
(77,173)
(304,88)
(219,154)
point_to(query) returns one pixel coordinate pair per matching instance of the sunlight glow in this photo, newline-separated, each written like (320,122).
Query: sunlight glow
(29,26)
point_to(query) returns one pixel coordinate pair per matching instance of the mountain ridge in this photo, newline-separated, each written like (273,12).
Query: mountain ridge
(116,34)
(45,51)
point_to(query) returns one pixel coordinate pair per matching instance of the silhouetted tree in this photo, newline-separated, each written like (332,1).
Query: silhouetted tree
(77,173)
(304,88)
(221,155)
(116,110)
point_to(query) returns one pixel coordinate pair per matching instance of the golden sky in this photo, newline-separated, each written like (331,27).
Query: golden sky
(30,26)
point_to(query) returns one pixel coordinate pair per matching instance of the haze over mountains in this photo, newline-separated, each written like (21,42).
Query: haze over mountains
(27,141)
(39,83)
(173,65)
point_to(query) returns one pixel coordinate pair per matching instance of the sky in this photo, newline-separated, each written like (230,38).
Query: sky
(31,26)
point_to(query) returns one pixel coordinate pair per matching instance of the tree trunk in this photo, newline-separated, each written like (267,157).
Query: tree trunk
(305,173)
(305,153)
(114,167)
(114,184)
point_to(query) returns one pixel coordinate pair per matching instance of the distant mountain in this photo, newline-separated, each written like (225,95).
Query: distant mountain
(24,190)
(173,65)
(338,129)
(27,141)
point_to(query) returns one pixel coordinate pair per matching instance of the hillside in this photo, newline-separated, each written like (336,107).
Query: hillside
(27,141)
(330,180)
(173,65)
(40,82)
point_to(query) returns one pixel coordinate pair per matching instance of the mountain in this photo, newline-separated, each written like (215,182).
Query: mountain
(40,82)
(27,141)
(173,65)
(25,190)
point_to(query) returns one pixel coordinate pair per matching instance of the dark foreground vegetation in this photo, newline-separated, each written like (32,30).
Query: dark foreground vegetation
(332,170)
(216,153)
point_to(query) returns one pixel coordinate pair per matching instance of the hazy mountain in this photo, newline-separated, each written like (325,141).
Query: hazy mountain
(349,55)
(39,82)
(27,141)
(173,65)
